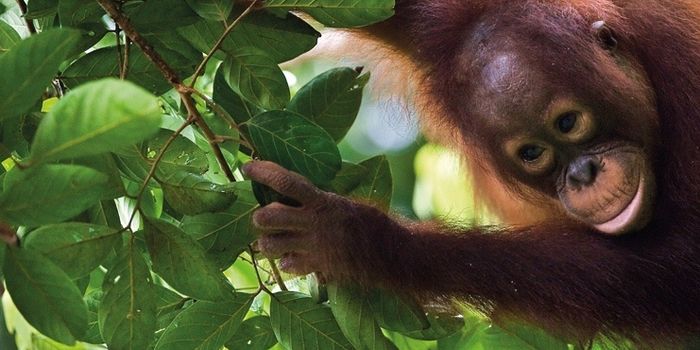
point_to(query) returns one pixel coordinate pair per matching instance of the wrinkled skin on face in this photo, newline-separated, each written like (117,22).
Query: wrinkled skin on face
(584,144)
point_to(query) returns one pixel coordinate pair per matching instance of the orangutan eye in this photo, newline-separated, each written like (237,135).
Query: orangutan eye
(531,153)
(605,35)
(567,122)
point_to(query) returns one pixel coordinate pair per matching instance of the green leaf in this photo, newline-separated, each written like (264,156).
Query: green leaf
(45,295)
(295,143)
(95,118)
(29,67)
(41,8)
(239,109)
(104,63)
(339,13)
(256,77)
(218,10)
(442,324)
(397,313)
(162,15)
(127,313)
(514,337)
(92,335)
(300,323)
(192,194)
(331,100)
(254,334)
(280,38)
(348,178)
(62,243)
(227,233)
(8,37)
(182,154)
(50,194)
(181,261)
(75,13)
(206,325)
(353,312)
(376,186)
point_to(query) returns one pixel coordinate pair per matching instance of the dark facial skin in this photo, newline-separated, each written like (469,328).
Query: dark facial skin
(568,141)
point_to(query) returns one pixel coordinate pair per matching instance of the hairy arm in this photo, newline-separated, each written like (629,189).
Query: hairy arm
(553,275)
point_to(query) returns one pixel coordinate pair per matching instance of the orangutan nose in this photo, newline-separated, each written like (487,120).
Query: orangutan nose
(582,171)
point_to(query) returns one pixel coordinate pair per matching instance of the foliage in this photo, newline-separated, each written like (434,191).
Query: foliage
(122,126)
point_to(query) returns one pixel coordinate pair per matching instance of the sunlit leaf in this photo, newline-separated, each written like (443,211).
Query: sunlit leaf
(181,261)
(8,37)
(96,118)
(300,323)
(62,243)
(29,67)
(206,325)
(45,295)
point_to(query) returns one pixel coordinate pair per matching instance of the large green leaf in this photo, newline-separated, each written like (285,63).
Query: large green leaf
(206,325)
(161,15)
(127,313)
(41,8)
(50,194)
(227,233)
(29,67)
(295,143)
(257,78)
(45,295)
(353,312)
(339,13)
(96,118)
(8,37)
(192,194)
(254,334)
(301,323)
(62,243)
(397,313)
(239,109)
(280,38)
(181,261)
(331,100)
(513,337)
(182,154)
(104,63)
(218,10)
(75,13)
(376,186)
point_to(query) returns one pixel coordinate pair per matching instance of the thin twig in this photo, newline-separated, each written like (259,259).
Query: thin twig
(125,63)
(154,167)
(30,23)
(277,275)
(261,283)
(172,77)
(217,45)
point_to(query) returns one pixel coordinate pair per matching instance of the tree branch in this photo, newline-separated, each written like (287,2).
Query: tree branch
(172,77)
(30,23)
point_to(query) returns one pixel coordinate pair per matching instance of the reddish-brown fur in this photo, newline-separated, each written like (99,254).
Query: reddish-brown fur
(553,272)
(645,285)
